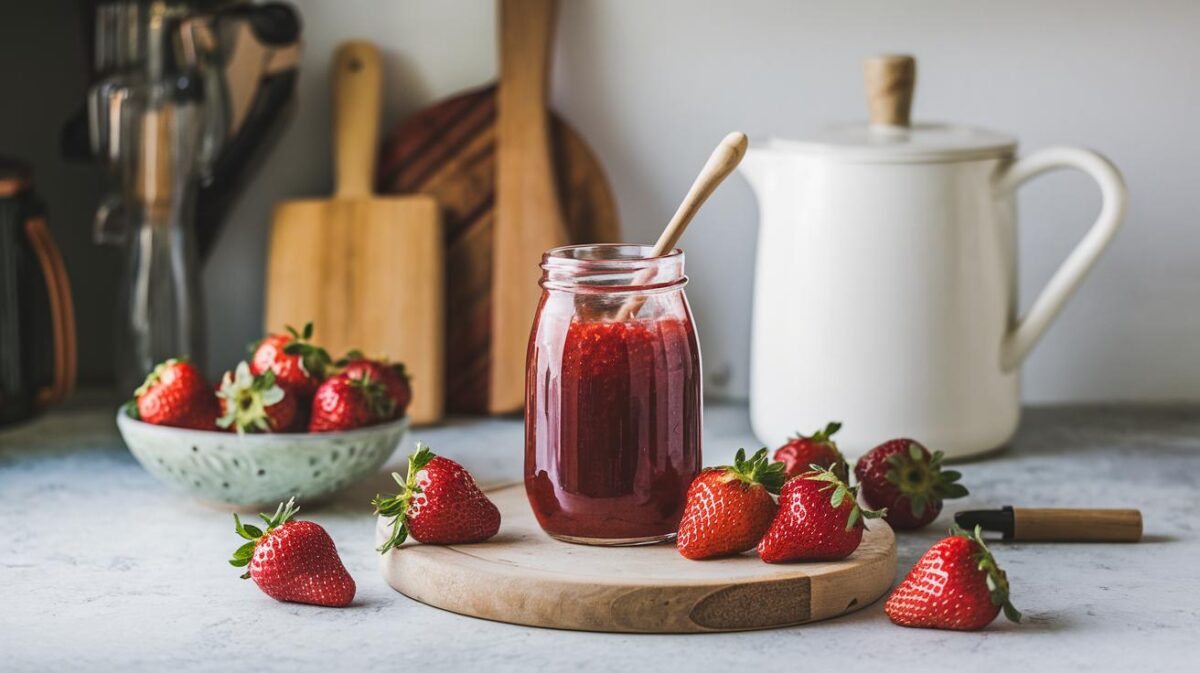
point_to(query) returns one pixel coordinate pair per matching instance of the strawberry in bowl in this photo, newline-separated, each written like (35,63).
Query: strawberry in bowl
(285,423)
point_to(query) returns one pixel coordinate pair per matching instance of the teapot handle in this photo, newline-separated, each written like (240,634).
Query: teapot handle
(1028,329)
(62,311)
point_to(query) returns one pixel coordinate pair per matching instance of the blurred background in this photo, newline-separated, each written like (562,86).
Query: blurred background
(654,85)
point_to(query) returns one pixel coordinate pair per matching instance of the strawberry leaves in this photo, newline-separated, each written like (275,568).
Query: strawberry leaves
(757,470)
(314,360)
(997,580)
(823,436)
(840,491)
(247,397)
(254,534)
(918,475)
(397,506)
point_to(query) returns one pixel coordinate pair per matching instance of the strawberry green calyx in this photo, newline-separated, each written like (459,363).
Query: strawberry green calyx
(920,477)
(997,580)
(314,360)
(378,401)
(243,554)
(350,356)
(823,436)
(397,506)
(840,492)
(757,470)
(246,399)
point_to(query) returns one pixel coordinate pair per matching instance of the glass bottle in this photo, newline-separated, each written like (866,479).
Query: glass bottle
(163,118)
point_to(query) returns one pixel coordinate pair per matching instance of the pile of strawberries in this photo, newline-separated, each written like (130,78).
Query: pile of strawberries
(729,510)
(732,509)
(288,385)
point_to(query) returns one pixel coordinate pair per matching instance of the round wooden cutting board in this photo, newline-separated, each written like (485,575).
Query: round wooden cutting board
(523,576)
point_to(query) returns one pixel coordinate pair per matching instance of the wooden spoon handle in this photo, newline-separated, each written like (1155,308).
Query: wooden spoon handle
(720,164)
(357,86)
(718,167)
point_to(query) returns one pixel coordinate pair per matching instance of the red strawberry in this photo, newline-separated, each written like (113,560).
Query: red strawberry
(902,476)
(176,394)
(728,508)
(252,403)
(298,365)
(818,520)
(439,503)
(342,403)
(392,376)
(293,560)
(956,585)
(802,452)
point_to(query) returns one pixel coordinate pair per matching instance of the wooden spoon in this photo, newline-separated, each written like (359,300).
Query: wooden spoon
(720,164)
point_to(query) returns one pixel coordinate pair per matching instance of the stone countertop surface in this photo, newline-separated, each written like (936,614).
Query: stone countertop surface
(104,567)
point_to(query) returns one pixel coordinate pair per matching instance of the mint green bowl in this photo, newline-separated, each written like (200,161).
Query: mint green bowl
(248,471)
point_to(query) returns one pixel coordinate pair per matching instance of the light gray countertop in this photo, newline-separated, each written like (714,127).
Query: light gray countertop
(102,566)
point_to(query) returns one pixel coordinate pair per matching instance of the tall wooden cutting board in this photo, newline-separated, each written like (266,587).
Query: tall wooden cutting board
(366,269)
(449,150)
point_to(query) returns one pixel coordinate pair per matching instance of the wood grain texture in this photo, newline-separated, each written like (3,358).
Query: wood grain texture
(522,576)
(890,82)
(449,150)
(1077,525)
(365,269)
(528,219)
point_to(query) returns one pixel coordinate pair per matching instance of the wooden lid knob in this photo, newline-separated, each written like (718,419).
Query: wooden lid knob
(890,81)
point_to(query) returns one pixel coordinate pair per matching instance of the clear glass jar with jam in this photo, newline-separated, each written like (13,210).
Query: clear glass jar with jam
(613,412)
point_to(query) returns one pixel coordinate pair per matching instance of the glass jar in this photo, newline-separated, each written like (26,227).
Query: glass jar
(613,411)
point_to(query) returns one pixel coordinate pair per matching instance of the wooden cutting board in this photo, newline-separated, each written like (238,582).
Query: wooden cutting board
(364,268)
(523,576)
(450,150)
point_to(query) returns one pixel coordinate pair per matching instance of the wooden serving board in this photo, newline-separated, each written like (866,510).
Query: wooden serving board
(523,576)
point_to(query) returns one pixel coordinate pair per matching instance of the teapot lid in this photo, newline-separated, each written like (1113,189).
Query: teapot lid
(891,136)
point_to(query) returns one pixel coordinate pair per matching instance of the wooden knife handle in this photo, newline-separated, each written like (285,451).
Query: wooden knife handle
(1077,525)
(357,85)
(890,83)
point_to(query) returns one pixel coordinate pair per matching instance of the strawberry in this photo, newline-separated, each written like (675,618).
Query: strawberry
(803,451)
(293,561)
(343,403)
(439,503)
(904,477)
(392,376)
(252,403)
(298,365)
(818,520)
(176,394)
(728,508)
(955,585)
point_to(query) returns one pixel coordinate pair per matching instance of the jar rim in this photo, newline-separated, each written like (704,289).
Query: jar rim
(568,256)
(612,268)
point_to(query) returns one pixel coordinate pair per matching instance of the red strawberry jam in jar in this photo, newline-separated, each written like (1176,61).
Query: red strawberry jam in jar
(613,412)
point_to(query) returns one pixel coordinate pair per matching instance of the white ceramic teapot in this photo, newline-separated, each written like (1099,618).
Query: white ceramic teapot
(886,287)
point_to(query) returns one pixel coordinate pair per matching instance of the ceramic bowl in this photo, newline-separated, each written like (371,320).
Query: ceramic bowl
(259,470)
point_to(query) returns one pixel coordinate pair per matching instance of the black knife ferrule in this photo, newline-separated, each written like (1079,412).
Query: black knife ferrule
(992,520)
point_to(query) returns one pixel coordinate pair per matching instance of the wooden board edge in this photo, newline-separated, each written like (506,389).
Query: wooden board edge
(716,606)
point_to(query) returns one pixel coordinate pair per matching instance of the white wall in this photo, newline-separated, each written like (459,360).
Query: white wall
(654,84)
